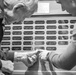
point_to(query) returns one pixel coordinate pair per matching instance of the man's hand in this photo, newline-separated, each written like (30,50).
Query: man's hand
(7,66)
(44,55)
(29,58)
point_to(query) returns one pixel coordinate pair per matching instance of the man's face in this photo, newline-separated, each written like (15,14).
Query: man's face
(18,10)
(68,5)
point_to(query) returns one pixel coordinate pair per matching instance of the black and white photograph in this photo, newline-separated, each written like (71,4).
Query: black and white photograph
(37,37)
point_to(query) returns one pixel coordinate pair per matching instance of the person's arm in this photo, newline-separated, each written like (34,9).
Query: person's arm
(28,58)
(66,60)
(19,55)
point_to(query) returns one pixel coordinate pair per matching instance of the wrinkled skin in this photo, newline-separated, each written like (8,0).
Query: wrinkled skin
(18,10)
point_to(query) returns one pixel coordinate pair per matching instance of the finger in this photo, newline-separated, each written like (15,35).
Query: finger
(34,57)
(41,54)
(41,57)
(30,59)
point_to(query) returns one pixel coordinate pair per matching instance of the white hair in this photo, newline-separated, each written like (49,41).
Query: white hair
(18,10)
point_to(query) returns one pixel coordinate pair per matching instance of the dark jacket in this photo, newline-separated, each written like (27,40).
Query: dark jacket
(3,55)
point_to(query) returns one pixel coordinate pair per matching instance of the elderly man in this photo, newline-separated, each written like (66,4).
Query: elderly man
(14,11)
(17,10)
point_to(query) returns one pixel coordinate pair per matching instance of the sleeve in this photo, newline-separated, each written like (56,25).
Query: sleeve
(66,60)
